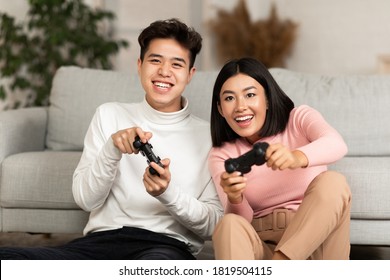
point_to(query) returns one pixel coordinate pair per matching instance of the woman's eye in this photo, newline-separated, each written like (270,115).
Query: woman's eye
(229,98)
(251,94)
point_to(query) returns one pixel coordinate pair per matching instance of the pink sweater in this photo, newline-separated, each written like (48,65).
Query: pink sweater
(266,189)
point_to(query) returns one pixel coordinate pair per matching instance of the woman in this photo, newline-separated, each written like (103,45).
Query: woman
(291,207)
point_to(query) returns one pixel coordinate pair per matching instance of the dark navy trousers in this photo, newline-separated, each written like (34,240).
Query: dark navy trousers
(126,243)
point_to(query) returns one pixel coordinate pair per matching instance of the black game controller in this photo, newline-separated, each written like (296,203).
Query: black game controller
(146,151)
(244,162)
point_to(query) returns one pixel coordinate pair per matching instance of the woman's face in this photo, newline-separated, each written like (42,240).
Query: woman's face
(243,105)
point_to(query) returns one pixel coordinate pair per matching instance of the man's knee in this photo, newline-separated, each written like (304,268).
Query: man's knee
(165,253)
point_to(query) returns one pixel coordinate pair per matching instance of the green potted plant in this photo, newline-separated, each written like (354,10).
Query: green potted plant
(56,33)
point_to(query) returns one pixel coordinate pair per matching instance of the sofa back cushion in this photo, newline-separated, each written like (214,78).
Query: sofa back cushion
(77,92)
(357,106)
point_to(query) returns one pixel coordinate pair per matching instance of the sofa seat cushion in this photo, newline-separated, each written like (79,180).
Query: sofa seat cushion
(44,220)
(39,180)
(370,232)
(369,178)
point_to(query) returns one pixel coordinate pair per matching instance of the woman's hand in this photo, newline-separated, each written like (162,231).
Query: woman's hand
(280,157)
(233,185)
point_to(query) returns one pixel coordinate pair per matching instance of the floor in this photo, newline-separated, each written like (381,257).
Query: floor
(358,252)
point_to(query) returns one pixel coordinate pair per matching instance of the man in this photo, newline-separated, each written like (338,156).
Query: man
(135,214)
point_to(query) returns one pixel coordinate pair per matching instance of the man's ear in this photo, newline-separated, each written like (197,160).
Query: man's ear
(191,74)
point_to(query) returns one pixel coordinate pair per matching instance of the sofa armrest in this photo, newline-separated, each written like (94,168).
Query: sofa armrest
(22,130)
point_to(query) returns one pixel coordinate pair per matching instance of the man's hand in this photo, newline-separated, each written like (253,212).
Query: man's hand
(123,139)
(156,185)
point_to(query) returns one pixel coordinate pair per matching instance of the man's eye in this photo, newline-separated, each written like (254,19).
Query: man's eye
(177,65)
(154,60)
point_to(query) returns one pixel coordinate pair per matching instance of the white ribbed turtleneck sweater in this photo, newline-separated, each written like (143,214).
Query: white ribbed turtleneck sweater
(109,184)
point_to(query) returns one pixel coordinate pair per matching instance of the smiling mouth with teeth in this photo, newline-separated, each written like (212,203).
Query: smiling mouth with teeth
(243,119)
(162,85)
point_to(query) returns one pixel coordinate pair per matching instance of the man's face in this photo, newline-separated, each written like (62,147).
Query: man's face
(164,74)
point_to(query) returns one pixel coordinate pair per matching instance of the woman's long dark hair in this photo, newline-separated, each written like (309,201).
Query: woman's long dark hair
(279,104)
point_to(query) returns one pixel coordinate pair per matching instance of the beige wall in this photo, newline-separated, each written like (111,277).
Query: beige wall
(335,36)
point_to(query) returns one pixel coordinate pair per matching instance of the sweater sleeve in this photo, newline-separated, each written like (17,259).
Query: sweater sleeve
(216,161)
(200,215)
(95,173)
(325,145)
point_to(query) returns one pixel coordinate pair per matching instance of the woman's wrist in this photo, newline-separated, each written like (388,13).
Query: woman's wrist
(302,159)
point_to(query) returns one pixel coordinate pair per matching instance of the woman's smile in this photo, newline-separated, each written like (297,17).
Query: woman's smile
(244,121)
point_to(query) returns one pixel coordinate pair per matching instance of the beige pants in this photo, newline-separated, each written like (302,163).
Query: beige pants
(318,230)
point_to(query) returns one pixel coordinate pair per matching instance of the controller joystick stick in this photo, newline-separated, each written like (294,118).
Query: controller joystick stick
(245,162)
(146,151)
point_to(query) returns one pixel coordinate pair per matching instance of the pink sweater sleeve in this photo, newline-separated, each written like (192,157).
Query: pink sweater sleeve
(326,144)
(217,158)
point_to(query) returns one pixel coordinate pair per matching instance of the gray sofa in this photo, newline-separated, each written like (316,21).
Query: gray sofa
(40,147)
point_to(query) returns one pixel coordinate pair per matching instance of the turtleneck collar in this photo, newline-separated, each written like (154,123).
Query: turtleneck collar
(165,118)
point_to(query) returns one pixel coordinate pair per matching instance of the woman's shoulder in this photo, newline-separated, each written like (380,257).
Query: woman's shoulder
(302,108)
(302,111)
